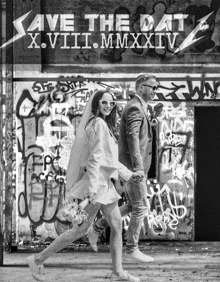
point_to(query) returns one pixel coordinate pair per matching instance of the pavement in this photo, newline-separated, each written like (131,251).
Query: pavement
(173,261)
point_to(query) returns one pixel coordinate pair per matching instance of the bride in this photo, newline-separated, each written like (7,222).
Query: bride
(93,164)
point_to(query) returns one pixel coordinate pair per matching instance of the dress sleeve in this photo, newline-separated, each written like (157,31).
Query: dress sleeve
(95,133)
(134,120)
(124,172)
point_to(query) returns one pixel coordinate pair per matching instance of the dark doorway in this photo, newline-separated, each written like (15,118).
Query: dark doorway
(152,173)
(207,193)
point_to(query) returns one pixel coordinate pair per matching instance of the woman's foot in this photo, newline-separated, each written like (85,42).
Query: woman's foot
(124,276)
(37,271)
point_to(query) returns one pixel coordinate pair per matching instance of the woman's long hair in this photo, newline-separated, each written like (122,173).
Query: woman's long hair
(111,118)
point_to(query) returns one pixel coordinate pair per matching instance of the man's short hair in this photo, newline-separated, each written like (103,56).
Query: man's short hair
(143,77)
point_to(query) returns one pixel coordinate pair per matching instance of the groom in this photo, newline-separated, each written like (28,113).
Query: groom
(135,152)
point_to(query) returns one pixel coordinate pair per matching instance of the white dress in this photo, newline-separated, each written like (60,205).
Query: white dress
(100,158)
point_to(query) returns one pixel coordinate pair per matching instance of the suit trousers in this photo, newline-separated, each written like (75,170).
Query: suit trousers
(136,195)
(137,205)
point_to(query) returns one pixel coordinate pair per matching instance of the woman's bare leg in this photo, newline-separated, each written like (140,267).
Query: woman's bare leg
(69,236)
(113,216)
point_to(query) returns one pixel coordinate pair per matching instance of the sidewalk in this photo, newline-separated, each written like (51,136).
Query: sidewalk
(174,261)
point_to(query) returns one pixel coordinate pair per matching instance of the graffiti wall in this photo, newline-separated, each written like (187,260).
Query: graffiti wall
(47,117)
(172,198)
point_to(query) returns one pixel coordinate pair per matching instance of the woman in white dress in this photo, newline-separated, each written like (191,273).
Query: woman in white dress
(92,166)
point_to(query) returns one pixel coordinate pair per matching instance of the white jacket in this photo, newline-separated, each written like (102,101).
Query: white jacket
(100,158)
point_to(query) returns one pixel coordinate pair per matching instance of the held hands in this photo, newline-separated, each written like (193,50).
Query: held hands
(137,176)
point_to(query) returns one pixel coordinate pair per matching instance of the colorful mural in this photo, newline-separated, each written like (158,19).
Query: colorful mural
(48,114)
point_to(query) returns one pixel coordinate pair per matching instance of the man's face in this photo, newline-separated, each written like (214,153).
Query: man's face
(148,88)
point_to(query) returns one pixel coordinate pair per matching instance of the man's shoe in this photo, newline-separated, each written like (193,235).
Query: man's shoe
(37,271)
(93,237)
(138,256)
(125,276)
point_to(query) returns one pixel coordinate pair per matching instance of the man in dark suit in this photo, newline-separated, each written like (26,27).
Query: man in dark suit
(135,152)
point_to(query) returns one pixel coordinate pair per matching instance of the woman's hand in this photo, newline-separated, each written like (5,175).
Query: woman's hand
(68,200)
(90,196)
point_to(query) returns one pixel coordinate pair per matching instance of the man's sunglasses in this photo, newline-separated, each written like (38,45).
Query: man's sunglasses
(105,103)
(152,87)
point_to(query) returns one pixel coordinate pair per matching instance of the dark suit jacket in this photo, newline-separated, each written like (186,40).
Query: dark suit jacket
(135,138)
